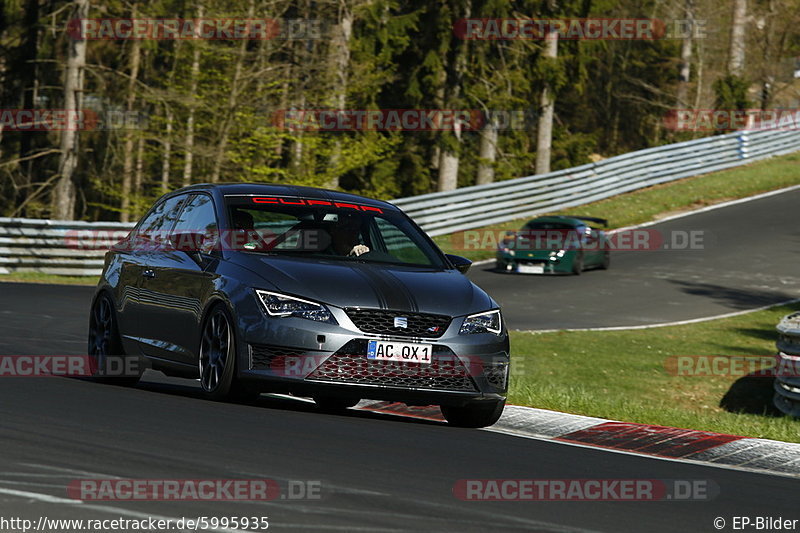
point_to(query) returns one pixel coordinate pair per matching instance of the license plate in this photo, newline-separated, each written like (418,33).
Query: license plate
(406,352)
(530,269)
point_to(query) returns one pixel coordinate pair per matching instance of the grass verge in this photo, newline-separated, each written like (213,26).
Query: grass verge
(662,200)
(622,375)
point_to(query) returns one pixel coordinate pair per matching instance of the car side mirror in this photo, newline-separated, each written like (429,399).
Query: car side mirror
(191,243)
(462,264)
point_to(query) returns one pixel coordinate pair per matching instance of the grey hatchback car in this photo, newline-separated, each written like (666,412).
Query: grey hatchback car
(256,288)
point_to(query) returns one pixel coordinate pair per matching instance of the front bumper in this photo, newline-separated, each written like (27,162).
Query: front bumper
(308,358)
(517,265)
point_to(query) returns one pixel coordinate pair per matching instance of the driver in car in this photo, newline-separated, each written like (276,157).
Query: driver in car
(345,236)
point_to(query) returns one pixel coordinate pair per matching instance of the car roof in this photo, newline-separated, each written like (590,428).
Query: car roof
(294,191)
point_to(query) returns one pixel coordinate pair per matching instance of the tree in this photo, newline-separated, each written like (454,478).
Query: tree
(64,192)
(544,131)
(134,59)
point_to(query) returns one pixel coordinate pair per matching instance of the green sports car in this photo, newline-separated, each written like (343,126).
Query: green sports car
(555,244)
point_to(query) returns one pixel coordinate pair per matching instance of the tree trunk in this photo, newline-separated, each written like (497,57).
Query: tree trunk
(138,176)
(167,150)
(29,80)
(448,170)
(449,155)
(63,200)
(340,63)
(544,130)
(3,66)
(698,93)
(736,50)
(686,56)
(487,152)
(233,97)
(767,62)
(128,150)
(169,119)
(189,139)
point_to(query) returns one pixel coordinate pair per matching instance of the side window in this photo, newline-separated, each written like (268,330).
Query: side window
(157,224)
(399,244)
(198,217)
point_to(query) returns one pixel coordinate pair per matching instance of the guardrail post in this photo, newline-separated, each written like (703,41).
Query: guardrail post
(744,145)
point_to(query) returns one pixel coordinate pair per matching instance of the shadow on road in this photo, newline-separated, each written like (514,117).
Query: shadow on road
(156,382)
(733,297)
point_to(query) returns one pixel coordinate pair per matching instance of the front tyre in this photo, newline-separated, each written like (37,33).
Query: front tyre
(217,361)
(474,415)
(606,261)
(108,360)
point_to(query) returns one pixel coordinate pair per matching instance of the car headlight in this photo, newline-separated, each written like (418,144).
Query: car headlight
(277,304)
(490,322)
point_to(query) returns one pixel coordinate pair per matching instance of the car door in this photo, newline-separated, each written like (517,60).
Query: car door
(150,309)
(180,282)
(134,254)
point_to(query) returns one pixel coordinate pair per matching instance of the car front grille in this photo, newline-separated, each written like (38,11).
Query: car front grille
(349,365)
(382,322)
(264,356)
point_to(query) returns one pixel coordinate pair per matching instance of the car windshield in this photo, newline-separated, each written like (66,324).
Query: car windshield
(330,230)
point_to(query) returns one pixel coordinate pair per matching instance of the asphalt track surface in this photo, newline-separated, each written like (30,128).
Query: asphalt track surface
(379,472)
(749,258)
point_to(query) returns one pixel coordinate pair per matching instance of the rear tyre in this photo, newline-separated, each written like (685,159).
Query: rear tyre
(577,264)
(217,360)
(107,358)
(333,404)
(474,415)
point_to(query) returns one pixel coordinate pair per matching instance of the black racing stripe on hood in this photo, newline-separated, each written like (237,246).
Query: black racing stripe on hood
(395,282)
(390,292)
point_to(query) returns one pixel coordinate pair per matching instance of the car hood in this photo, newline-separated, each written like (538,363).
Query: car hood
(370,285)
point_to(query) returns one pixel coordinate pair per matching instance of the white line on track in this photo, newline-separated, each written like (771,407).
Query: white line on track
(666,324)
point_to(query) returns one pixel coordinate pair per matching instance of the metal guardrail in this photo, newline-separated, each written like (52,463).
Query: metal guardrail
(60,247)
(787,380)
(472,207)
(54,247)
